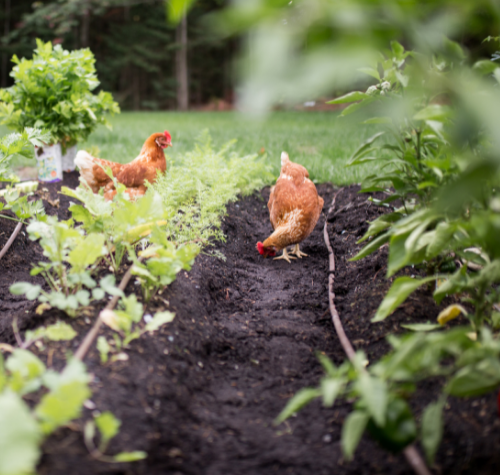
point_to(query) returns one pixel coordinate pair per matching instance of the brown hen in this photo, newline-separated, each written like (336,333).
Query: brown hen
(133,175)
(294,209)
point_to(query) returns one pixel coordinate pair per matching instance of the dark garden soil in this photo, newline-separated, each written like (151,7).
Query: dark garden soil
(200,395)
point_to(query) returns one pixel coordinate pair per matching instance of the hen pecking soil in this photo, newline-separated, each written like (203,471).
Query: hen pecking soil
(200,395)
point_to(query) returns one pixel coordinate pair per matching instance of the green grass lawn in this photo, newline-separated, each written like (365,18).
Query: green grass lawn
(317,140)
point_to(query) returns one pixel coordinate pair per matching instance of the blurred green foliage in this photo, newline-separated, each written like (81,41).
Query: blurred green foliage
(303,48)
(52,91)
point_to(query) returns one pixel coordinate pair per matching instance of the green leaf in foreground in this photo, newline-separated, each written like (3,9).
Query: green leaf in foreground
(330,388)
(421,327)
(104,348)
(374,394)
(107,283)
(400,290)
(62,405)
(60,331)
(372,246)
(108,425)
(160,319)
(301,399)
(352,430)
(25,364)
(130,456)
(399,429)
(19,436)
(87,251)
(475,379)
(350,97)
(432,428)
(24,288)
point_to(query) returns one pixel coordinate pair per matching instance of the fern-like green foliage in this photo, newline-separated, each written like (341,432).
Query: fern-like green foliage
(196,189)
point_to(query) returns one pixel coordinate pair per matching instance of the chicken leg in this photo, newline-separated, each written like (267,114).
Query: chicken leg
(285,256)
(298,252)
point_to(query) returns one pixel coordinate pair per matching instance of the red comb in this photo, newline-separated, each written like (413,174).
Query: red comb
(167,135)
(260,248)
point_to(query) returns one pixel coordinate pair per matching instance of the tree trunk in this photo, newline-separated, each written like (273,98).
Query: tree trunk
(181,66)
(84,31)
(6,30)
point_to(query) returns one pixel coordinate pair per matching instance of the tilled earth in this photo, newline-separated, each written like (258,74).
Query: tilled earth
(200,395)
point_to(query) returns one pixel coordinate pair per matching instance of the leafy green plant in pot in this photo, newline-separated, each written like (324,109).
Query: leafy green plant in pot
(53,91)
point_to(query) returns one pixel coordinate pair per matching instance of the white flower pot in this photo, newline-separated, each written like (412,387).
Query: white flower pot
(49,163)
(68,159)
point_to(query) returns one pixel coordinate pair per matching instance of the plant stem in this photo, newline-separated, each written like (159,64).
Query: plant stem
(11,218)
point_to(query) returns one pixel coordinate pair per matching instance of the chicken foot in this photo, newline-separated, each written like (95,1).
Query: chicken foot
(285,256)
(298,252)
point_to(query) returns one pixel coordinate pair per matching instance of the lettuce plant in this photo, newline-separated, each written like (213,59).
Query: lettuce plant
(53,91)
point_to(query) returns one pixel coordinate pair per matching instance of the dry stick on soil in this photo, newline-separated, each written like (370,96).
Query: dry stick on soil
(411,453)
(11,239)
(94,331)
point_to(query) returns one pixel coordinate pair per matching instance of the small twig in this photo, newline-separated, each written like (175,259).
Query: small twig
(11,239)
(410,452)
(84,347)
(15,327)
(4,216)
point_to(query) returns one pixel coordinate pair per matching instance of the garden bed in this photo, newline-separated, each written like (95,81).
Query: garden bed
(199,396)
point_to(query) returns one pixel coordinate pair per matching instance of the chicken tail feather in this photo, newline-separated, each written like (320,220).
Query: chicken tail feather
(85,162)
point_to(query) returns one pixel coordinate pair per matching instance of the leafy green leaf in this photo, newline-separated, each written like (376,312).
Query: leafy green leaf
(130,456)
(475,379)
(399,430)
(485,66)
(371,72)
(373,393)
(107,284)
(350,97)
(20,436)
(60,331)
(328,365)
(330,388)
(297,402)
(432,428)
(159,319)
(364,146)
(86,252)
(26,364)
(433,112)
(103,347)
(421,327)
(31,291)
(132,307)
(61,405)
(352,430)
(400,290)
(372,246)
(108,425)
(98,293)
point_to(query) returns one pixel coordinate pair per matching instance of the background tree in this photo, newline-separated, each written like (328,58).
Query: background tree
(136,49)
